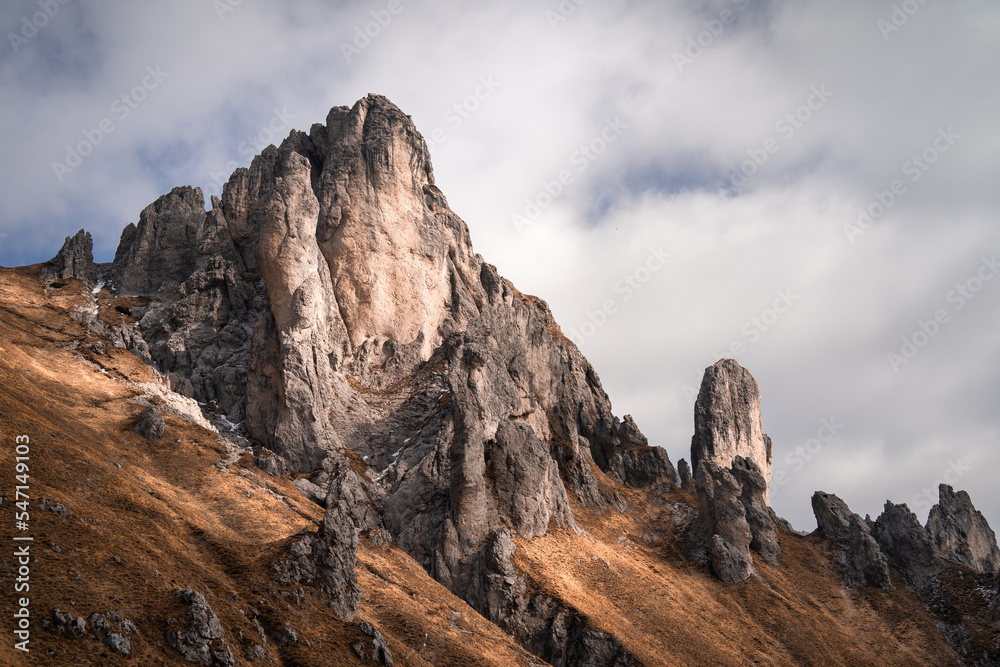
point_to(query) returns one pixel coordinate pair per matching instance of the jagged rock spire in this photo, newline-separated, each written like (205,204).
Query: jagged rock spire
(74,260)
(732,474)
(727,421)
(332,300)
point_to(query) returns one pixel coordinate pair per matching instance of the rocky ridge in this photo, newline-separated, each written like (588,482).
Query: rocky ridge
(330,304)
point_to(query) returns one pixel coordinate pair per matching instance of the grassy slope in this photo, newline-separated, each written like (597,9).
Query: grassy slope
(174,519)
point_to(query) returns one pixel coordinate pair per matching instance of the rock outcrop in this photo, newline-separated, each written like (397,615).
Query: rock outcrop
(854,546)
(332,304)
(203,300)
(326,562)
(112,629)
(66,624)
(959,533)
(723,524)
(906,544)
(684,473)
(201,637)
(727,420)
(732,475)
(759,515)
(149,424)
(75,260)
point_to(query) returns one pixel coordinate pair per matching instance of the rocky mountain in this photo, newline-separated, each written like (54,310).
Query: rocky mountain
(414,434)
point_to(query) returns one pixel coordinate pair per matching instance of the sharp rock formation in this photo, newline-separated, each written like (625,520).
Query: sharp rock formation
(331,302)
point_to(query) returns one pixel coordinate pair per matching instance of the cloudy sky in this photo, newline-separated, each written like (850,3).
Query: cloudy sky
(810,187)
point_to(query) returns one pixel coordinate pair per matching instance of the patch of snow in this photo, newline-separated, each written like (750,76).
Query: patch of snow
(97,288)
(231,425)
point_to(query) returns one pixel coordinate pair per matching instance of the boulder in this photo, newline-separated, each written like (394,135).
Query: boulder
(149,424)
(200,640)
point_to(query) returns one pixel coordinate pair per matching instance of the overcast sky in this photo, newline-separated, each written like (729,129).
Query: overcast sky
(681,181)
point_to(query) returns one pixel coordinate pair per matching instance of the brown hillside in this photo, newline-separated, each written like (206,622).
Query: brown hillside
(148,517)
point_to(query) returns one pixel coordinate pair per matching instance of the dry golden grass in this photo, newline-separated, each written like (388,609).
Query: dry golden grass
(627,576)
(172,518)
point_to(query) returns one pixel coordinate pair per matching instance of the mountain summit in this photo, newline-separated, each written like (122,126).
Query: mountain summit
(329,321)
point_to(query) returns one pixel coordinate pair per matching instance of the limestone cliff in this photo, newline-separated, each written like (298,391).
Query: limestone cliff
(331,301)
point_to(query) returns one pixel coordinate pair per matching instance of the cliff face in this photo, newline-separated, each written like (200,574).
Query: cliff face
(332,302)
(331,309)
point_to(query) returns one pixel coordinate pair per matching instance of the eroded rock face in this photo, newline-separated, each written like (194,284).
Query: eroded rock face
(684,473)
(722,523)
(201,637)
(732,475)
(326,562)
(727,420)
(906,544)
(204,299)
(960,533)
(74,260)
(759,515)
(332,301)
(863,561)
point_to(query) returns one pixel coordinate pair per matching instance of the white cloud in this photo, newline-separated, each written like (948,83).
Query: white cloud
(662,181)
